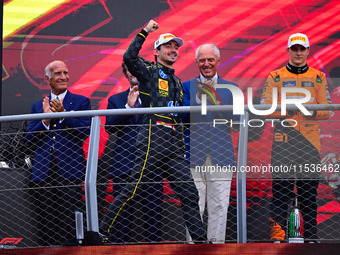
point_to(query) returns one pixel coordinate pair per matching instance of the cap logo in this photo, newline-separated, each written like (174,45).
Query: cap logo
(164,37)
(298,38)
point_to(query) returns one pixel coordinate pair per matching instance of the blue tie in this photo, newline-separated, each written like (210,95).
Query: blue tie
(137,105)
(53,142)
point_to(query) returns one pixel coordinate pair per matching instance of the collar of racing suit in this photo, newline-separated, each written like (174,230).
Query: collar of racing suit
(297,70)
(166,69)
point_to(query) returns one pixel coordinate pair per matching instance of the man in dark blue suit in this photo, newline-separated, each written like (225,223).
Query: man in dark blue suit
(126,129)
(210,149)
(59,160)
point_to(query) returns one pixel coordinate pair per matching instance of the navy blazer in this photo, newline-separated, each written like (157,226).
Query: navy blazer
(64,138)
(126,129)
(203,139)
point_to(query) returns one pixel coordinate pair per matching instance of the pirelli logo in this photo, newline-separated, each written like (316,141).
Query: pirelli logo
(168,36)
(298,38)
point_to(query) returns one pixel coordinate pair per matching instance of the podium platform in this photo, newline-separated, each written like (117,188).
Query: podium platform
(185,249)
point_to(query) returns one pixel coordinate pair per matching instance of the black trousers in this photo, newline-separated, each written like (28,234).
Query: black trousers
(300,157)
(55,200)
(149,203)
(160,147)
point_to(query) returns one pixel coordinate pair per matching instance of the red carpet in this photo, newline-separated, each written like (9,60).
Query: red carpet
(183,249)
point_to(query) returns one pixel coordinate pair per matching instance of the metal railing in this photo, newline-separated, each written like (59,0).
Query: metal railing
(93,150)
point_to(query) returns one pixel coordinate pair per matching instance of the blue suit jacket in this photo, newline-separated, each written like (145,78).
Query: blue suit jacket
(65,139)
(124,151)
(203,139)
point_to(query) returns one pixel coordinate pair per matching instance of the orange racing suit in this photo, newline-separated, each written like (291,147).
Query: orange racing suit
(296,148)
(310,79)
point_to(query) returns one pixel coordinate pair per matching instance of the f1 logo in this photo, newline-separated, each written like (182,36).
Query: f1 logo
(10,240)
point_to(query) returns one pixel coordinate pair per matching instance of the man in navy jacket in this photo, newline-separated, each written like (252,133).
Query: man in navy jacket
(210,149)
(59,160)
(126,128)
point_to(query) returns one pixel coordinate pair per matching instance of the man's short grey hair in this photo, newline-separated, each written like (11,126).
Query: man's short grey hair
(48,72)
(216,50)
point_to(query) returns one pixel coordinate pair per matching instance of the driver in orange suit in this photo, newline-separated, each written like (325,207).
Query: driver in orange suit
(296,144)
